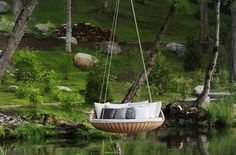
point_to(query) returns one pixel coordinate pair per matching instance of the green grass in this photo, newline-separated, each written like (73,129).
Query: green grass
(150,17)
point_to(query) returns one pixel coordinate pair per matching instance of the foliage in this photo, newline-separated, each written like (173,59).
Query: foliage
(220,79)
(6,26)
(66,64)
(34,97)
(2,131)
(221,112)
(160,76)
(94,86)
(70,100)
(194,58)
(49,78)
(181,85)
(26,66)
(30,131)
(23,91)
(43,35)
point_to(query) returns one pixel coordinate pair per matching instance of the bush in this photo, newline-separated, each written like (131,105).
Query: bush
(23,91)
(43,35)
(194,58)
(66,65)
(34,97)
(160,76)
(50,81)
(221,112)
(26,67)
(94,86)
(6,26)
(70,100)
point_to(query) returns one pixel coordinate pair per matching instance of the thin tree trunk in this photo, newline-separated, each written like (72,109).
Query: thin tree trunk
(212,65)
(233,45)
(108,6)
(17,7)
(204,25)
(152,58)
(17,34)
(68,27)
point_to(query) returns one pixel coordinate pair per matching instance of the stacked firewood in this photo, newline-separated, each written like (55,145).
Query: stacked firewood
(86,31)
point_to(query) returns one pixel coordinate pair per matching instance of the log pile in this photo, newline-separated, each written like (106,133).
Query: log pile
(86,31)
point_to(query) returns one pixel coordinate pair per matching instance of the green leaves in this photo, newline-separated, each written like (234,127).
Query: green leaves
(181,4)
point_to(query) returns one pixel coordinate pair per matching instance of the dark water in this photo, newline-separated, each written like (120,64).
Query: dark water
(160,142)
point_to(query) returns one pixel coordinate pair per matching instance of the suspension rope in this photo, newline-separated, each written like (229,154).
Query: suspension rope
(112,36)
(111,49)
(141,50)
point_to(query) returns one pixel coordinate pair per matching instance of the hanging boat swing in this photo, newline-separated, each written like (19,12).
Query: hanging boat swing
(128,117)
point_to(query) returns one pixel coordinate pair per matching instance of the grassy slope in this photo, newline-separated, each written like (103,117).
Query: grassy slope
(150,17)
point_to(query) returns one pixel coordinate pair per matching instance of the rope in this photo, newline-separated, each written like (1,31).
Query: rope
(112,47)
(111,38)
(141,50)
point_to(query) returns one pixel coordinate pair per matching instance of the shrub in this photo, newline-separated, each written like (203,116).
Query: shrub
(43,35)
(221,112)
(94,86)
(26,67)
(160,76)
(34,97)
(220,79)
(66,65)
(6,26)
(50,81)
(70,100)
(23,91)
(194,58)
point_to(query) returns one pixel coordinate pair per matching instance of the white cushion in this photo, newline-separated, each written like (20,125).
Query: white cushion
(114,106)
(99,107)
(138,103)
(158,108)
(141,112)
(125,120)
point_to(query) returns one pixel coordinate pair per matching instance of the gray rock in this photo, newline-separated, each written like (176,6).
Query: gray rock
(179,49)
(197,90)
(73,40)
(106,47)
(11,120)
(44,27)
(4,7)
(204,104)
(64,88)
(219,94)
(85,61)
(13,88)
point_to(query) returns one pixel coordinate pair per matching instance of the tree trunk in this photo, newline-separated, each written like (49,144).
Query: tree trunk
(68,27)
(151,60)
(17,7)
(233,45)
(204,25)
(17,34)
(212,65)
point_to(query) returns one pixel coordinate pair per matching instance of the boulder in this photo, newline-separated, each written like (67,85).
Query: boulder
(4,7)
(44,27)
(85,61)
(197,90)
(64,88)
(106,47)
(73,40)
(219,94)
(13,88)
(179,49)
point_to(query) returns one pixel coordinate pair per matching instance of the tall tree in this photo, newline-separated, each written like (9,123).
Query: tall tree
(68,27)
(152,57)
(212,64)
(17,7)
(204,24)
(17,34)
(233,45)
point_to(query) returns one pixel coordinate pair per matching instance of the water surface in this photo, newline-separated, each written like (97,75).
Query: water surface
(171,141)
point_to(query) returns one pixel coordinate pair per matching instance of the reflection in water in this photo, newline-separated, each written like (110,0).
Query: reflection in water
(164,141)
